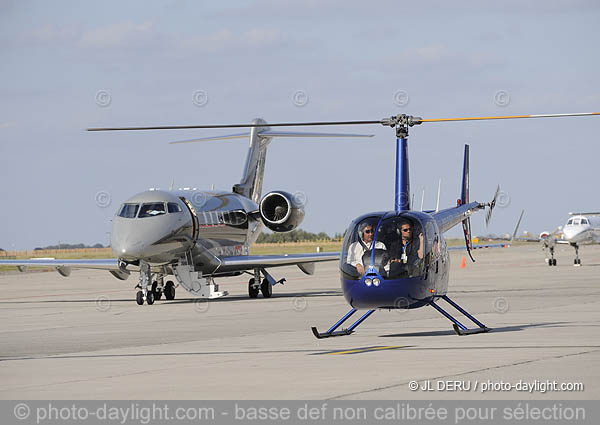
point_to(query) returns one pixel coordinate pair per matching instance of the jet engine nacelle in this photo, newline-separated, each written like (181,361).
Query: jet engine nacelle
(281,212)
(544,235)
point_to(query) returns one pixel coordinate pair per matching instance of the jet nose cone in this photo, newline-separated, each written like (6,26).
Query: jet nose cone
(126,245)
(129,249)
(571,234)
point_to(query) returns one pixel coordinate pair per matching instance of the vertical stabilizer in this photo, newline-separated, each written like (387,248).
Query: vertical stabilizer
(464,200)
(252,178)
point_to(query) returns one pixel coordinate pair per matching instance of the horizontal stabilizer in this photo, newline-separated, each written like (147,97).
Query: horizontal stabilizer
(210,139)
(270,133)
(277,133)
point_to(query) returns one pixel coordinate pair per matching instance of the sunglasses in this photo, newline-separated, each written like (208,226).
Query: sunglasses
(407,230)
(369,231)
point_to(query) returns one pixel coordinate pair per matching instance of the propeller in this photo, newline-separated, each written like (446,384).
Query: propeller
(393,121)
(492,204)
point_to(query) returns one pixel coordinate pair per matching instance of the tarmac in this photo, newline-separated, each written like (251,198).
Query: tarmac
(84,337)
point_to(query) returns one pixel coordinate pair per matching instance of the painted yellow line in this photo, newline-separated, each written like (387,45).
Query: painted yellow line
(365,350)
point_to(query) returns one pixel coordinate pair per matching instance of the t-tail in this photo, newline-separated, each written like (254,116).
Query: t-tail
(260,137)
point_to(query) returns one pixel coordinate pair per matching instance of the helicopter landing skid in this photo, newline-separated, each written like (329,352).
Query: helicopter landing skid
(332,331)
(459,328)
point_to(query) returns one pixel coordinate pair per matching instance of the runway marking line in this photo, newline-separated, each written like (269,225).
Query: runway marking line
(363,350)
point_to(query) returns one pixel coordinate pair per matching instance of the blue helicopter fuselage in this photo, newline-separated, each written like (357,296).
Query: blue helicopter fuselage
(396,275)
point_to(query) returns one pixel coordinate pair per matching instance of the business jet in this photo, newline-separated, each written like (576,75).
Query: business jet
(190,237)
(582,228)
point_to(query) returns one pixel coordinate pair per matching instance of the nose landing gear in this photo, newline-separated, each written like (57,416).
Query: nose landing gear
(577,260)
(145,278)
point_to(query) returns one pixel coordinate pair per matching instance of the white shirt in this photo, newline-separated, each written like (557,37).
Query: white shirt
(356,251)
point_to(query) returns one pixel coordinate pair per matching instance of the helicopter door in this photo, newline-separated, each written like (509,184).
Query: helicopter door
(195,225)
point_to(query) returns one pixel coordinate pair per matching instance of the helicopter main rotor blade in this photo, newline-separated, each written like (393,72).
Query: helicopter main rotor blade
(509,117)
(392,122)
(285,124)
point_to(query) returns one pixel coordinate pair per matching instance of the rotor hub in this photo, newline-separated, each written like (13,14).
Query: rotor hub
(401,123)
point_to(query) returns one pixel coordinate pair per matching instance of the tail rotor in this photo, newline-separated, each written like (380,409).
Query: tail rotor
(491,206)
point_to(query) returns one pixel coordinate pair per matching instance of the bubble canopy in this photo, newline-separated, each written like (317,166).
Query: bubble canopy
(384,251)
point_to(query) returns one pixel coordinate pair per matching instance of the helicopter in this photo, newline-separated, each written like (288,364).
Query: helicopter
(392,275)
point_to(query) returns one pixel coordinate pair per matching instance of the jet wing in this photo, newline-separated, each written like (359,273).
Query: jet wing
(100,264)
(247,262)
(527,239)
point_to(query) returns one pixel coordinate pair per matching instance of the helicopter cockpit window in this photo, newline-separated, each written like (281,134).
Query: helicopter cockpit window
(395,247)
(358,247)
(152,210)
(129,210)
(406,245)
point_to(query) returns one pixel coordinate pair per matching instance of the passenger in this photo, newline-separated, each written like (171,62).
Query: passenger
(407,251)
(366,233)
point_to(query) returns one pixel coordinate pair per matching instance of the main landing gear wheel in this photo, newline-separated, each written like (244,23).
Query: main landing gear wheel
(169,290)
(155,291)
(150,297)
(554,261)
(252,289)
(266,288)
(139,297)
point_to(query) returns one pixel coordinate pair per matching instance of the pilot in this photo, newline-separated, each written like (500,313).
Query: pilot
(364,243)
(408,250)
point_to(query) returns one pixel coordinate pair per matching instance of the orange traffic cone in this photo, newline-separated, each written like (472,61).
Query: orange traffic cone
(463,262)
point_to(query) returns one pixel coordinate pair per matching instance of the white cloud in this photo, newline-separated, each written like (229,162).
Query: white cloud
(227,39)
(117,35)
(52,34)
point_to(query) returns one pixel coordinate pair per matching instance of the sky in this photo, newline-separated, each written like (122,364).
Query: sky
(70,65)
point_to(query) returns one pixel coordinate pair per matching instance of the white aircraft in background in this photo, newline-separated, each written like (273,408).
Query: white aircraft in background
(583,228)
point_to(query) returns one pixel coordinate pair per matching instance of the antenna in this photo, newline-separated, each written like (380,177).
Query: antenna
(422,198)
(437,205)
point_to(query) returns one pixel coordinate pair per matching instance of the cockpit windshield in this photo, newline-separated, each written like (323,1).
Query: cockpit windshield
(173,207)
(152,209)
(394,246)
(129,210)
